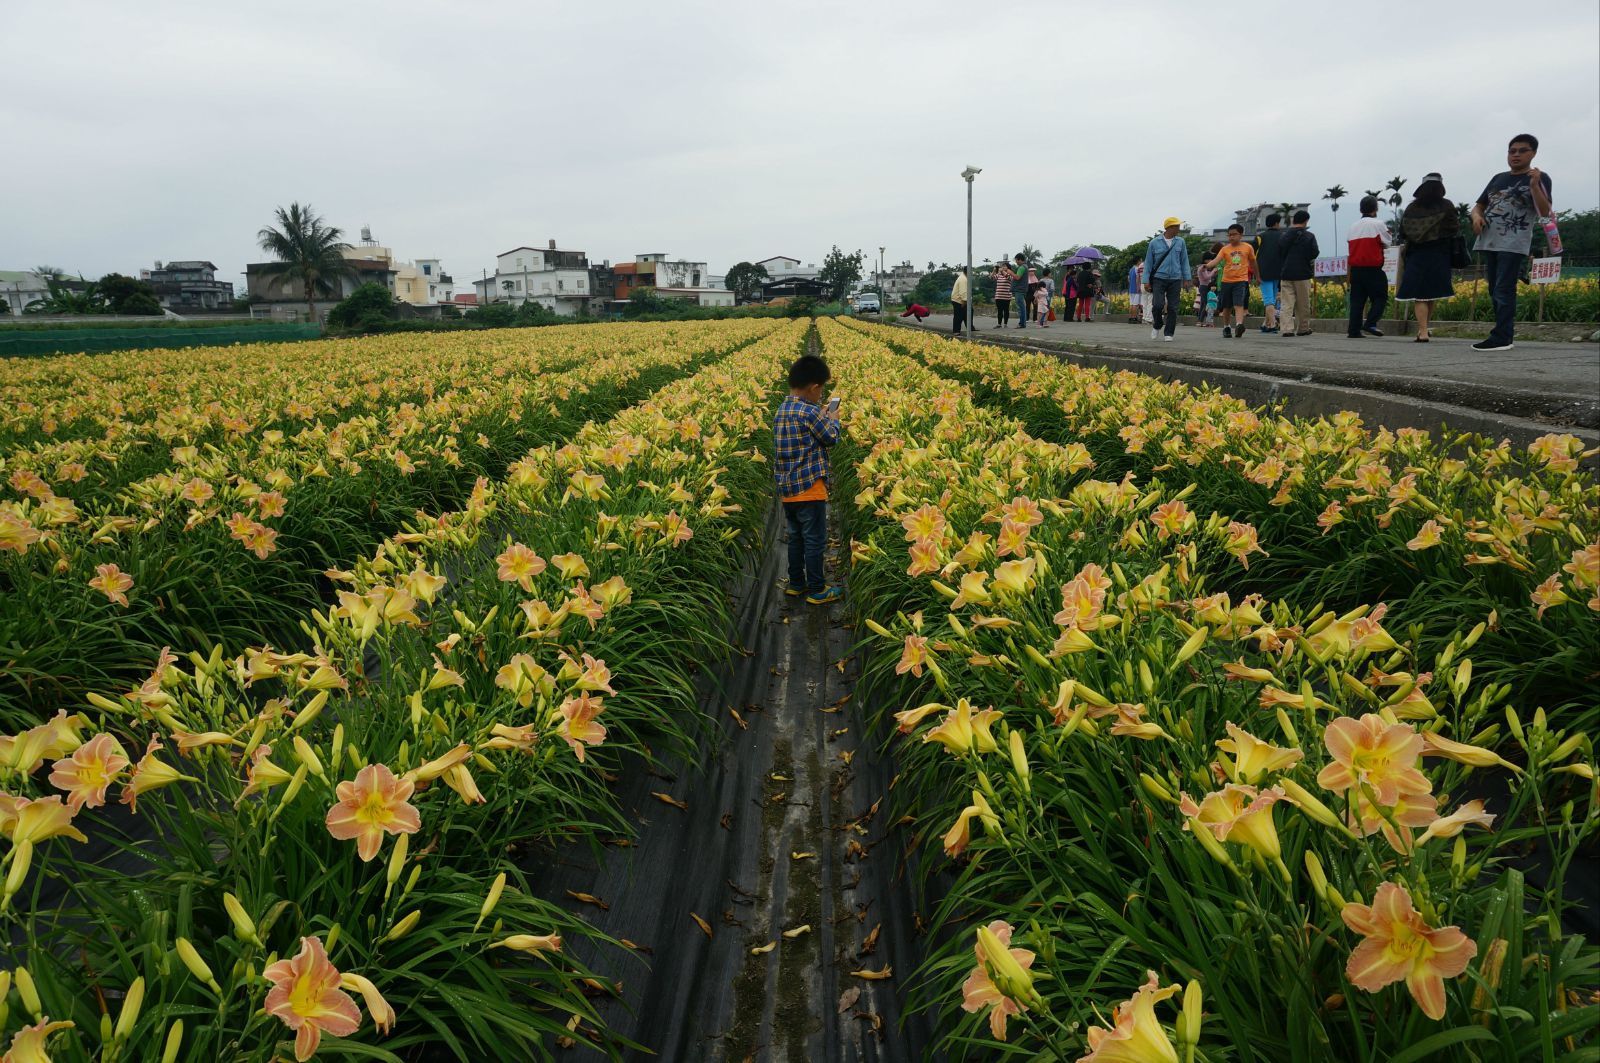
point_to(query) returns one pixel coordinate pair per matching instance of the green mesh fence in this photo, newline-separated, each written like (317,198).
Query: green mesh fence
(74,341)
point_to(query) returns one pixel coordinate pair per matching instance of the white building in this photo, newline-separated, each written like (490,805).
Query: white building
(440,285)
(19,288)
(899,281)
(782,267)
(555,279)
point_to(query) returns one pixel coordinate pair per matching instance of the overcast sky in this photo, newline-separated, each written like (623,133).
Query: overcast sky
(729,131)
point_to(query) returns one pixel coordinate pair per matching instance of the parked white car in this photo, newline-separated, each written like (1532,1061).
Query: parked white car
(868,303)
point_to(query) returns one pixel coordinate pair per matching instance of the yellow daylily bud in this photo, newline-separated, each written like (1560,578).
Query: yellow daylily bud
(308,757)
(103,703)
(130,1009)
(1147,682)
(1036,657)
(21,860)
(416,709)
(1209,843)
(1304,800)
(28,992)
(338,745)
(1463,675)
(1019,760)
(333,939)
(169,1054)
(946,591)
(495,889)
(243,926)
(1005,972)
(878,629)
(1191,646)
(196,963)
(1336,901)
(312,710)
(1156,788)
(1516,726)
(1539,719)
(292,790)
(1287,726)
(1189,1025)
(411,880)
(257,733)
(1474,635)
(1582,771)
(1567,748)
(404,926)
(105,1027)
(397,860)
(1319,880)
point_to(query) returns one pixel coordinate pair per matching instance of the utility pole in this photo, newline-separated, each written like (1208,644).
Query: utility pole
(969,173)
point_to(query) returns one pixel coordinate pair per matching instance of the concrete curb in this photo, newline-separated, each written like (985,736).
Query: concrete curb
(1296,392)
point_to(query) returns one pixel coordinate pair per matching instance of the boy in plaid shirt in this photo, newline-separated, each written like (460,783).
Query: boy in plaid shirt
(802,432)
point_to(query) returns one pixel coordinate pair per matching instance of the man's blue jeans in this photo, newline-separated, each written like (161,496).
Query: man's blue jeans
(808,536)
(1501,269)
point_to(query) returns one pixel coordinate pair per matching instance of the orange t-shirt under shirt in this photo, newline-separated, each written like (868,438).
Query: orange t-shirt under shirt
(1238,262)
(817,492)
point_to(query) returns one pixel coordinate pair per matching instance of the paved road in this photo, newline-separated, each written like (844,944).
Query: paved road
(1559,382)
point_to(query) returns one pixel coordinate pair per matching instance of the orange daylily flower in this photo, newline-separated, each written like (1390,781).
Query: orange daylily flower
(519,565)
(1239,812)
(37,820)
(571,566)
(927,523)
(1548,595)
(305,995)
(150,773)
(1008,997)
(924,558)
(963,731)
(1254,758)
(373,804)
(1428,536)
(28,1044)
(113,583)
(914,657)
(1397,944)
(89,772)
(1374,752)
(959,836)
(1172,518)
(1241,542)
(1449,826)
(1135,1035)
(578,727)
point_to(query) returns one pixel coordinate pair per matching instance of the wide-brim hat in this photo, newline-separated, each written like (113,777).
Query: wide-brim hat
(1431,179)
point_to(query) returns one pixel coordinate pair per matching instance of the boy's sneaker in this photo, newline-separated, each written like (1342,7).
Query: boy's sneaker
(1227,332)
(1372,330)
(1167,338)
(1268,331)
(795,592)
(826,596)
(1492,344)
(1155,334)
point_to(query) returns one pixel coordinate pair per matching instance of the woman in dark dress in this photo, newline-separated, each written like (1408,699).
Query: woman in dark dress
(1427,227)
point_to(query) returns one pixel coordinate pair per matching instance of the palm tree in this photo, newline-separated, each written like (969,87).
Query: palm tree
(1032,257)
(1394,185)
(308,251)
(1336,193)
(47,273)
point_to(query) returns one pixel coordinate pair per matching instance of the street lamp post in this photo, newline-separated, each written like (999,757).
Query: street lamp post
(883,297)
(968,174)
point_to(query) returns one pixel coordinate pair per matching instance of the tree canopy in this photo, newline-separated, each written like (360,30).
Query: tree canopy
(307,250)
(839,272)
(744,280)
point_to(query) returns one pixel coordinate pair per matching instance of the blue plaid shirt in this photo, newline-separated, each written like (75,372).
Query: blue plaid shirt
(801,433)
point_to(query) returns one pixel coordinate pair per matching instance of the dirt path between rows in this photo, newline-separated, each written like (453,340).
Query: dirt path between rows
(780,831)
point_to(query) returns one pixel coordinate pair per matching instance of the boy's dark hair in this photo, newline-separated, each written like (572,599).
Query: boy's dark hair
(808,369)
(1301,217)
(1273,219)
(1369,204)
(1525,138)
(1237,226)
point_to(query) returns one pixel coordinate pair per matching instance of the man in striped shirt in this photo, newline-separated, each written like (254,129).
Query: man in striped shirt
(802,432)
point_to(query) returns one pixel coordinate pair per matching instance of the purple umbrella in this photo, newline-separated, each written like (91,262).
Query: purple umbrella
(1088,254)
(1075,260)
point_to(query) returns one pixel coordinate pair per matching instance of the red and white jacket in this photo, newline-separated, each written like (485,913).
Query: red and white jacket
(1368,238)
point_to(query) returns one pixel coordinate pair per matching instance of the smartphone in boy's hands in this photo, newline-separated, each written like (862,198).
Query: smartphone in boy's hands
(833,406)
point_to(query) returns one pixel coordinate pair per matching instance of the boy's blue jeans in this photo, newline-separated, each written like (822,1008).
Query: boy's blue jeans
(808,535)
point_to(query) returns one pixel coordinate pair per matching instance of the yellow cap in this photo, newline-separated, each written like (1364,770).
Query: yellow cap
(1170,222)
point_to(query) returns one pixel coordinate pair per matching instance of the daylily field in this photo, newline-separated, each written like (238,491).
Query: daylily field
(1219,735)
